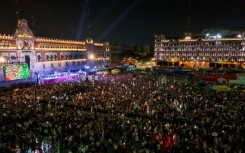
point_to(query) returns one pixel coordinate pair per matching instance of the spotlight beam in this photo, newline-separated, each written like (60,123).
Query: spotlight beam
(103,14)
(118,20)
(84,13)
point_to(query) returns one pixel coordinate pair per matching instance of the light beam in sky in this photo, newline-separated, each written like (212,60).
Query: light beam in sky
(118,20)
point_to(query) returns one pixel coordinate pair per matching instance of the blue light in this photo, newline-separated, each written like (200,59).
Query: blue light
(86,66)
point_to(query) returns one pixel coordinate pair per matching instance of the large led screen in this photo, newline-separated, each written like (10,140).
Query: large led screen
(15,72)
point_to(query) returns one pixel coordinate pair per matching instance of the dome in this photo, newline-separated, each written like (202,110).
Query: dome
(89,40)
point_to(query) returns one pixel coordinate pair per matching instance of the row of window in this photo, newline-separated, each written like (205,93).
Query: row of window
(200,44)
(5,44)
(47,45)
(78,63)
(66,57)
(203,58)
(205,54)
(202,49)
(62,57)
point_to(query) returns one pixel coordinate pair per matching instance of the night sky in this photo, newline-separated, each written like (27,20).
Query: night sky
(121,21)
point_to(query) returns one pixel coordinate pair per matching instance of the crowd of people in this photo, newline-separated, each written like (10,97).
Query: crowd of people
(120,113)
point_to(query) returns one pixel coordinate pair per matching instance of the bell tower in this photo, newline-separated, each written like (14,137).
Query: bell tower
(25,43)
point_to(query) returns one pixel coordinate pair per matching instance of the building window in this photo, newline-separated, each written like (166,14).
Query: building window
(39,57)
(13,58)
(51,57)
(47,57)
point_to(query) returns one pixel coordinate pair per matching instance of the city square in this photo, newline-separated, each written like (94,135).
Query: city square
(118,77)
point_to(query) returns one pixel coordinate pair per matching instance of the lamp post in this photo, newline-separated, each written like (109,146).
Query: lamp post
(2,60)
(172,62)
(37,78)
(90,62)
(36,83)
(88,65)
(86,70)
(91,58)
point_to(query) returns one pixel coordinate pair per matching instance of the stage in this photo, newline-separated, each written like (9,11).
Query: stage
(66,78)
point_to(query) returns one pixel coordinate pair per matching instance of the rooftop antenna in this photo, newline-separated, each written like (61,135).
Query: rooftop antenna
(17,13)
(17,10)
(88,17)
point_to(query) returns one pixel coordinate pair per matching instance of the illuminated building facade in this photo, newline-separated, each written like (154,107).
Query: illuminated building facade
(201,52)
(45,55)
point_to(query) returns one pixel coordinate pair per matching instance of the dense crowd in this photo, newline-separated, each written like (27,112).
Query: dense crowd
(142,114)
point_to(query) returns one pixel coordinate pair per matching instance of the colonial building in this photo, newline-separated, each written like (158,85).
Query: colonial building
(202,51)
(46,55)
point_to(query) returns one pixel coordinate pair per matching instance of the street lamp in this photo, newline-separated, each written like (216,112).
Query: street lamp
(172,62)
(2,60)
(91,56)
